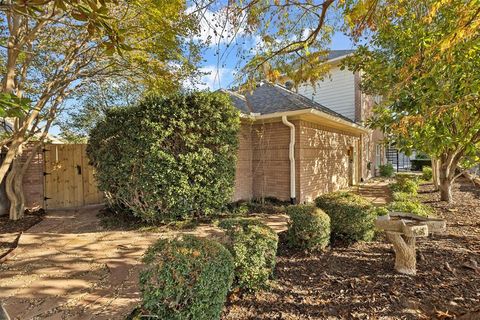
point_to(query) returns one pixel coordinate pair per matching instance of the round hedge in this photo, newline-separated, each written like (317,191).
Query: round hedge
(186,279)
(309,228)
(254,248)
(168,157)
(352,217)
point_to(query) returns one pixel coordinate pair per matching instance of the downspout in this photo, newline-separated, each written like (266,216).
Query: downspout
(291,156)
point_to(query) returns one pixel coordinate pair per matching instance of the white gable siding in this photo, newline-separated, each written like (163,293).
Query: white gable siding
(336,91)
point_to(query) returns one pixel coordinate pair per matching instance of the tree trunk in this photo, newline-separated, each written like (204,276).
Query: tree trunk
(445,189)
(448,166)
(405,255)
(14,190)
(435,173)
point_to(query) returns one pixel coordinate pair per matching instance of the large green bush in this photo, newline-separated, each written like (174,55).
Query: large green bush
(168,158)
(386,170)
(254,249)
(186,279)
(309,228)
(352,217)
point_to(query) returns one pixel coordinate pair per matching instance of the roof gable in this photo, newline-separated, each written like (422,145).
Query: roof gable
(269,98)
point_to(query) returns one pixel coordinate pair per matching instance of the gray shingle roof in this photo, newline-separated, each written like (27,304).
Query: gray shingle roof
(338,53)
(238,101)
(271,98)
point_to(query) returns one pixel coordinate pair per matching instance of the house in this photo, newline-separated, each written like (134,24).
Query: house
(297,145)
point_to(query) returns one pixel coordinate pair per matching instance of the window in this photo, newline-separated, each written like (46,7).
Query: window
(378,155)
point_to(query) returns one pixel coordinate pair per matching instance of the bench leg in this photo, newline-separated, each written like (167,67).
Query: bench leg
(405,255)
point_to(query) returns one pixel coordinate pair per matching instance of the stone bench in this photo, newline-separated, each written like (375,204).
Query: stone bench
(401,230)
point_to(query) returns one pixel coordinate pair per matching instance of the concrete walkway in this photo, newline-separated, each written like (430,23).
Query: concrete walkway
(67,267)
(378,192)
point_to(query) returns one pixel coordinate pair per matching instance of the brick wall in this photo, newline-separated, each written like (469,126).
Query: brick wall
(243,173)
(270,162)
(32,184)
(324,161)
(321,159)
(33,180)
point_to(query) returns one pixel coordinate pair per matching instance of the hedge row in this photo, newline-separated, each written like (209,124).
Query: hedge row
(189,277)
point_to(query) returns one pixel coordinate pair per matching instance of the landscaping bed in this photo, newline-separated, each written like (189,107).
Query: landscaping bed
(10,230)
(358,281)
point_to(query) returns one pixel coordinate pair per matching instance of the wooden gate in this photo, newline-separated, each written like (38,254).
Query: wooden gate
(69,180)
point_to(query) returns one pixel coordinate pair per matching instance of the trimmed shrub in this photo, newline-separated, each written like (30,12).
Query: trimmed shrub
(427,173)
(411,206)
(269,208)
(405,176)
(386,170)
(379,211)
(254,249)
(186,278)
(409,186)
(238,207)
(168,158)
(401,196)
(309,228)
(352,217)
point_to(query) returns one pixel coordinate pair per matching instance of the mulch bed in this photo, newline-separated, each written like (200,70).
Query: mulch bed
(11,230)
(358,282)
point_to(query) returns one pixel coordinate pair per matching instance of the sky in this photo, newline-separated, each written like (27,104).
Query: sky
(220,62)
(221,73)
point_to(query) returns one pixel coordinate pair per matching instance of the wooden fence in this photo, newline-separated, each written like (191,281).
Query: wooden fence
(69,179)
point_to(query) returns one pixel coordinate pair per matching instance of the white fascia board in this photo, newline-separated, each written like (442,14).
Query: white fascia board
(315,112)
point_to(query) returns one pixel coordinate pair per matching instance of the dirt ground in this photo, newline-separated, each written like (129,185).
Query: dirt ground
(11,230)
(358,282)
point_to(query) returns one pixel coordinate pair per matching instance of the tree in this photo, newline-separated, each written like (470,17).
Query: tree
(423,59)
(292,37)
(90,105)
(55,48)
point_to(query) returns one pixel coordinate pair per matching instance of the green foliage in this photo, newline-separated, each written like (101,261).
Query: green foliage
(379,211)
(168,158)
(401,196)
(267,205)
(309,228)
(386,170)
(411,205)
(407,202)
(352,217)
(427,173)
(238,207)
(422,155)
(254,249)
(186,278)
(423,60)
(406,183)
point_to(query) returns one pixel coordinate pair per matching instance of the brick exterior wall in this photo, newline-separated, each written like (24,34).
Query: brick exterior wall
(324,161)
(270,162)
(32,184)
(33,180)
(321,159)
(243,173)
